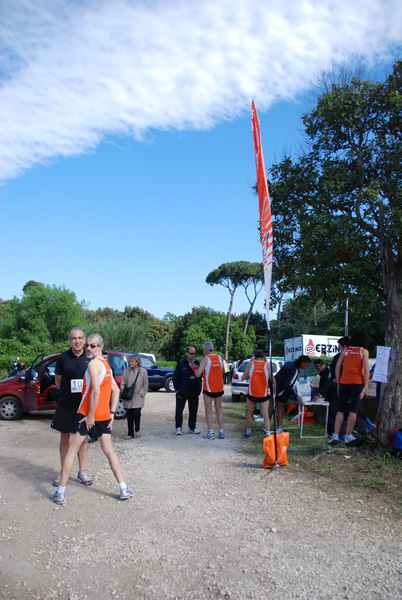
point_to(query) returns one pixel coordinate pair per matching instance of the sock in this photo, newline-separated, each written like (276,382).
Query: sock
(122,486)
(61,489)
(210,430)
(221,431)
(248,431)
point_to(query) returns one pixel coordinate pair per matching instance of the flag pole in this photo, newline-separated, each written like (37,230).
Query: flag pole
(266,241)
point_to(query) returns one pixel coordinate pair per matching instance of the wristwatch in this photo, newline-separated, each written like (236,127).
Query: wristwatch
(112,412)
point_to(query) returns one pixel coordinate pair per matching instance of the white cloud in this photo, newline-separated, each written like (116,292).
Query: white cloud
(74,71)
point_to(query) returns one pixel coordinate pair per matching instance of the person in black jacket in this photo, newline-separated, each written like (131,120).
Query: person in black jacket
(325,382)
(188,388)
(286,378)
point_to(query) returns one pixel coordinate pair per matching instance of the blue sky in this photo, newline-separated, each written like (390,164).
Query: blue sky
(126,154)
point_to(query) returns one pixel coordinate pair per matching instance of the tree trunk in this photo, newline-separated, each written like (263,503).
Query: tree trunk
(248,316)
(390,413)
(228,326)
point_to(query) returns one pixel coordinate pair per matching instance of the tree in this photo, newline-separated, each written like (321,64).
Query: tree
(231,276)
(211,326)
(45,313)
(337,211)
(254,280)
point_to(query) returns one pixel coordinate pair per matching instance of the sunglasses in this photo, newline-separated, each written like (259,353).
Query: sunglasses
(194,353)
(91,346)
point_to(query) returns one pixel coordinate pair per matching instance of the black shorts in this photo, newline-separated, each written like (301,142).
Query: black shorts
(63,419)
(97,430)
(255,399)
(283,398)
(213,394)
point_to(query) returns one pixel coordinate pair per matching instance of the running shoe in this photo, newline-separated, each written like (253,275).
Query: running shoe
(334,439)
(279,430)
(178,431)
(246,436)
(221,435)
(58,498)
(349,438)
(195,431)
(126,494)
(56,482)
(83,478)
(209,435)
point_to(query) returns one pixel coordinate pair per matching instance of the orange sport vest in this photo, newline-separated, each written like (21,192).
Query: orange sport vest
(102,412)
(259,378)
(213,374)
(352,366)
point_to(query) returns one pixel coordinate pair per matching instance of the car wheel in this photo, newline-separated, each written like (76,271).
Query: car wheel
(169,387)
(236,397)
(120,412)
(10,408)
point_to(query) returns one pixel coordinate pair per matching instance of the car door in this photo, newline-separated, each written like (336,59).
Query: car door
(46,381)
(155,374)
(32,387)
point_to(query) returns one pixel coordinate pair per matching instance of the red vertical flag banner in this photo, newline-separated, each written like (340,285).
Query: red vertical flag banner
(265,209)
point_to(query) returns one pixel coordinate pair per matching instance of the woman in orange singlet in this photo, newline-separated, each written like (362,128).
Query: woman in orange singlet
(352,384)
(259,372)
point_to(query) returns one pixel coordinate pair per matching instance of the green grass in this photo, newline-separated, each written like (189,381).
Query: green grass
(369,467)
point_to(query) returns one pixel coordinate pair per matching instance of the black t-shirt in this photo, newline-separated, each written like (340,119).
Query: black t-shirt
(72,369)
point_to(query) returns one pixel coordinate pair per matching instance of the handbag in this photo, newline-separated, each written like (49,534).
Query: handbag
(128,393)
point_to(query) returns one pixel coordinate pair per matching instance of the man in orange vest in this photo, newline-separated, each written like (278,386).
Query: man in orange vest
(211,366)
(95,417)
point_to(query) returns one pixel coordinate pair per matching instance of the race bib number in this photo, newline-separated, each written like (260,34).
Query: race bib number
(76,386)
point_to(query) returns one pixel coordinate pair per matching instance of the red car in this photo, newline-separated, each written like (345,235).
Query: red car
(34,389)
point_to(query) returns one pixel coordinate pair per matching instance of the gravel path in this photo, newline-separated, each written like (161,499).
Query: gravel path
(205,522)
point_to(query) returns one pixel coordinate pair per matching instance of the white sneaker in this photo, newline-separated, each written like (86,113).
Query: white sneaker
(178,431)
(349,438)
(126,494)
(334,439)
(195,431)
(279,430)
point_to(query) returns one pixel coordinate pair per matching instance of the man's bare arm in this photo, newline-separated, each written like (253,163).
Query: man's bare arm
(201,368)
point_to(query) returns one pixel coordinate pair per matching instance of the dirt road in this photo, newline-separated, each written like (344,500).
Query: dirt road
(205,523)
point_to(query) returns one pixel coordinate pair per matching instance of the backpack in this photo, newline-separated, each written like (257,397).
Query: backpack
(397,442)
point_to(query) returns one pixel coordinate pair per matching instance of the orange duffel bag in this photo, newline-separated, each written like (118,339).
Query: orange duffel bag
(282,443)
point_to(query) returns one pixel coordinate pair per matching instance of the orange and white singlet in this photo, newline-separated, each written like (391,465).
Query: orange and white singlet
(102,412)
(259,378)
(352,366)
(213,374)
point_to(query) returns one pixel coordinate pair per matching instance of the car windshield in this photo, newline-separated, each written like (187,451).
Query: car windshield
(147,362)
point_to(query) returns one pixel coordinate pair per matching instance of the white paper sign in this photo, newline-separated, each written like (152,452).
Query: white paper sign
(381,364)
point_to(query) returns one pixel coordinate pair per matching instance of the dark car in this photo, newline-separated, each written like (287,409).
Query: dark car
(158,377)
(34,389)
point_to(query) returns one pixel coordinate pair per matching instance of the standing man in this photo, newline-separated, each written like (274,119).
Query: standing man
(286,378)
(212,368)
(188,388)
(95,415)
(69,375)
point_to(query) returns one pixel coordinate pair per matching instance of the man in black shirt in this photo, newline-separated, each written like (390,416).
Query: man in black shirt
(69,374)
(188,388)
